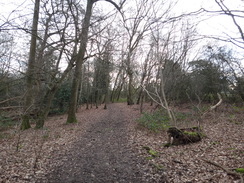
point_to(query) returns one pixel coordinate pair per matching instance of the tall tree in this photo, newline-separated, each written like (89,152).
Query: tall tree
(30,74)
(207,79)
(138,20)
(50,60)
(80,59)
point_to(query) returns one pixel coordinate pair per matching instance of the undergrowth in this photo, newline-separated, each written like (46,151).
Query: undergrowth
(121,100)
(155,121)
(5,122)
(158,120)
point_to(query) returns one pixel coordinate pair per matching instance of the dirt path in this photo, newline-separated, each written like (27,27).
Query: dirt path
(102,153)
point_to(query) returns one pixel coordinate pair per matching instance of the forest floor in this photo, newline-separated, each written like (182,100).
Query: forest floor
(108,146)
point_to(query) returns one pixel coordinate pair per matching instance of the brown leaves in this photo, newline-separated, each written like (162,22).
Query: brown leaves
(40,151)
(182,163)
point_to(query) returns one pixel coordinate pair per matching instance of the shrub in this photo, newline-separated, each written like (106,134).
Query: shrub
(5,122)
(61,99)
(155,121)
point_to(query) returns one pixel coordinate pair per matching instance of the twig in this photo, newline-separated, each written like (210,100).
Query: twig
(10,107)
(4,101)
(225,169)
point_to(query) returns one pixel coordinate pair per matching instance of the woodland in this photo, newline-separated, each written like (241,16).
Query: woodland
(122,90)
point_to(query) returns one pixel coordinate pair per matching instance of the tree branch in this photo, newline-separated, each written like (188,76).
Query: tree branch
(225,169)
(115,5)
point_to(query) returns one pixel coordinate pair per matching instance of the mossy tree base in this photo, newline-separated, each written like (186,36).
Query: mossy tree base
(71,119)
(184,135)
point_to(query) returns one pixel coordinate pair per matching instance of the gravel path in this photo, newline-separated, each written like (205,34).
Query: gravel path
(102,154)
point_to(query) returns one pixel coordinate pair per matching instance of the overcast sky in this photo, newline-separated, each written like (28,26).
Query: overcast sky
(214,25)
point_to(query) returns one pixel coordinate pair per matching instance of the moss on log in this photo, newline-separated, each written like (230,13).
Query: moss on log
(184,135)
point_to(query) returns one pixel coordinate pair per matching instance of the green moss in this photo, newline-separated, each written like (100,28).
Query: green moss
(153,153)
(150,151)
(194,134)
(71,120)
(239,170)
(190,133)
(20,146)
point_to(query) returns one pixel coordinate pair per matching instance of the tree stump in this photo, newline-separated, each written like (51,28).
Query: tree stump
(183,135)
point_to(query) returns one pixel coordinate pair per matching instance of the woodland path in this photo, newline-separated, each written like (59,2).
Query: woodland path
(102,153)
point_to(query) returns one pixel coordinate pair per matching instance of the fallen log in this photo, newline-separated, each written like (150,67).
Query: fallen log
(184,135)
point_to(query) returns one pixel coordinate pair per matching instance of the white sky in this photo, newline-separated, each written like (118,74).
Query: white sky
(214,25)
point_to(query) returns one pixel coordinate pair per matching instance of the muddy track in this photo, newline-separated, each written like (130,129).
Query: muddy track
(102,154)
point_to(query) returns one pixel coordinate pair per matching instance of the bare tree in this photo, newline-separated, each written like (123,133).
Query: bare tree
(80,59)
(30,75)
(169,54)
(138,21)
(64,48)
(55,46)
(237,16)
(234,14)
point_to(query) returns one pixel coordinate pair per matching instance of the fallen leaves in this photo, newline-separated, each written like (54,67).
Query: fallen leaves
(223,145)
(26,156)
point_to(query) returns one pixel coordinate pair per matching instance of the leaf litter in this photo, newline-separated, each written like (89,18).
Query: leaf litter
(113,142)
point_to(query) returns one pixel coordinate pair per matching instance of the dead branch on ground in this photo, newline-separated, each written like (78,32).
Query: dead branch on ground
(235,174)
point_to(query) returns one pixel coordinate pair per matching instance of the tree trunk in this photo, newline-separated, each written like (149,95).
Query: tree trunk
(141,104)
(130,89)
(115,84)
(44,109)
(107,91)
(139,96)
(144,74)
(171,115)
(30,81)
(120,87)
(80,57)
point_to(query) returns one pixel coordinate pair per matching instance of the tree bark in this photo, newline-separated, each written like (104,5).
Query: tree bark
(115,85)
(44,110)
(30,74)
(80,57)
(171,115)
(130,89)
